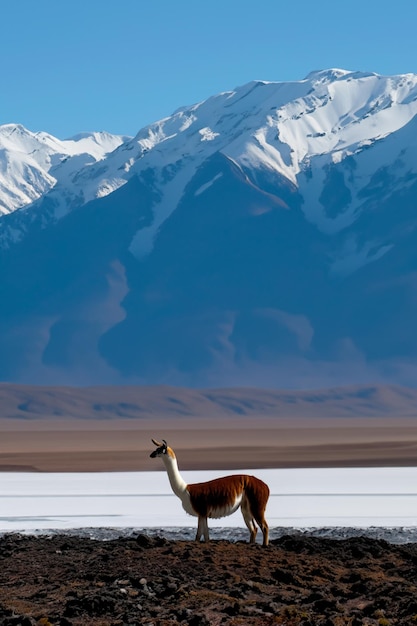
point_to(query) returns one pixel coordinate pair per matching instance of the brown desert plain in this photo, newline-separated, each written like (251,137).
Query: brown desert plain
(298,580)
(110,428)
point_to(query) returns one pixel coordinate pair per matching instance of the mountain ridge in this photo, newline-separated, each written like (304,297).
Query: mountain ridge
(29,161)
(300,99)
(265,237)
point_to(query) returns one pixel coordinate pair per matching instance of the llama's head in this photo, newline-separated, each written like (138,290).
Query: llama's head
(161,448)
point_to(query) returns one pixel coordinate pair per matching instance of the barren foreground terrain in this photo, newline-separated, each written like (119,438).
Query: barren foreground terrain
(69,581)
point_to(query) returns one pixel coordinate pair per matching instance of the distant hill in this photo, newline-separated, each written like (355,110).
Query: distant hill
(33,402)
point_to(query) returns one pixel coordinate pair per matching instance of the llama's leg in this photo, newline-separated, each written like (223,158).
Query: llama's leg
(206,530)
(261,521)
(265,532)
(202,529)
(199,529)
(249,521)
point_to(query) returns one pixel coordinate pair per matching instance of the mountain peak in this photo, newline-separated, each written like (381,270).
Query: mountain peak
(332,73)
(28,161)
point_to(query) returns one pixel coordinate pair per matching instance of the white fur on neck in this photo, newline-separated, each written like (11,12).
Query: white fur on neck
(178,484)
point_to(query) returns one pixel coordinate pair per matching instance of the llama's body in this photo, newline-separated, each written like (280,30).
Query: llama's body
(219,497)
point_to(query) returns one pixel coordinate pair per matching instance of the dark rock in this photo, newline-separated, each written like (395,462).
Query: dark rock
(283,576)
(198,620)
(144,541)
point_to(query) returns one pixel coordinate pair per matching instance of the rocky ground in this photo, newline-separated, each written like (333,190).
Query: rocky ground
(72,581)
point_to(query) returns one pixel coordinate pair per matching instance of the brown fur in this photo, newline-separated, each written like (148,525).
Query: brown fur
(220,493)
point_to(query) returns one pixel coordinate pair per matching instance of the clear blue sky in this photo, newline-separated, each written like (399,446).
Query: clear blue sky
(74,65)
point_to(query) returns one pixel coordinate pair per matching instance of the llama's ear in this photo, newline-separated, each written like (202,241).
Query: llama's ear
(156,443)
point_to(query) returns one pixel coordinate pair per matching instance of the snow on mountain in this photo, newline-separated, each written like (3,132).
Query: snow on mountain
(265,234)
(282,128)
(31,163)
(311,134)
(295,130)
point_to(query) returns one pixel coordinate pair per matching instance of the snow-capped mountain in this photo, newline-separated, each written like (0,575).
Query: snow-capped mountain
(32,163)
(263,236)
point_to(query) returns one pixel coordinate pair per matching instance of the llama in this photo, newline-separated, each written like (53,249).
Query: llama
(219,497)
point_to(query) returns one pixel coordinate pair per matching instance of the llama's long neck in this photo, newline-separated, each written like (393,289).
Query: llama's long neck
(178,484)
